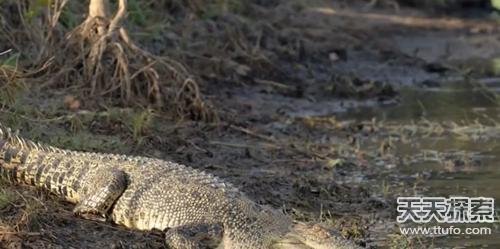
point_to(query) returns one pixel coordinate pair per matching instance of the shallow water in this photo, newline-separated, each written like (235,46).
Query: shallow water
(463,104)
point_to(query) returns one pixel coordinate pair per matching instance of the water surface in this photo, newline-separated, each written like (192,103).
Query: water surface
(466,105)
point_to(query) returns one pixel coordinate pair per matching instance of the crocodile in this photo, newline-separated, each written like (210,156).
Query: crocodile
(192,208)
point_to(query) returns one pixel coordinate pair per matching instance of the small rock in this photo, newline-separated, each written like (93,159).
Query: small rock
(333,57)
(72,103)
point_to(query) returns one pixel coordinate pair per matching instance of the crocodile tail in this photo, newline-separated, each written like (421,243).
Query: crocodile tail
(12,138)
(14,152)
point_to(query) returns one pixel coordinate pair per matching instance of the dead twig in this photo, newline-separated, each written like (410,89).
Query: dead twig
(273,84)
(244,146)
(6,51)
(253,134)
(20,233)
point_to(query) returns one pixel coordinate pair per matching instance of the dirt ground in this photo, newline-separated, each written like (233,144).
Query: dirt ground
(283,77)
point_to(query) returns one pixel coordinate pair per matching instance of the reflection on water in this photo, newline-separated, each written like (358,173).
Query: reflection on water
(463,105)
(460,103)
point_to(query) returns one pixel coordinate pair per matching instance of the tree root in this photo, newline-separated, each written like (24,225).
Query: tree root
(100,57)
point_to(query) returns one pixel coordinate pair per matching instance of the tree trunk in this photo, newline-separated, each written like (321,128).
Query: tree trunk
(98,8)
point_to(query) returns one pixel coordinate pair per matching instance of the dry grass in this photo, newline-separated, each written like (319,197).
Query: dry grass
(10,84)
(20,215)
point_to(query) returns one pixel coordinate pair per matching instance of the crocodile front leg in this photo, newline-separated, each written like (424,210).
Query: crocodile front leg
(194,236)
(100,191)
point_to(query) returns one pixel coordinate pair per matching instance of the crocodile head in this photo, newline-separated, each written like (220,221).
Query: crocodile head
(312,236)
(262,227)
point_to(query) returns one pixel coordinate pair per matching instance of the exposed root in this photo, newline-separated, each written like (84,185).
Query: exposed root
(101,58)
